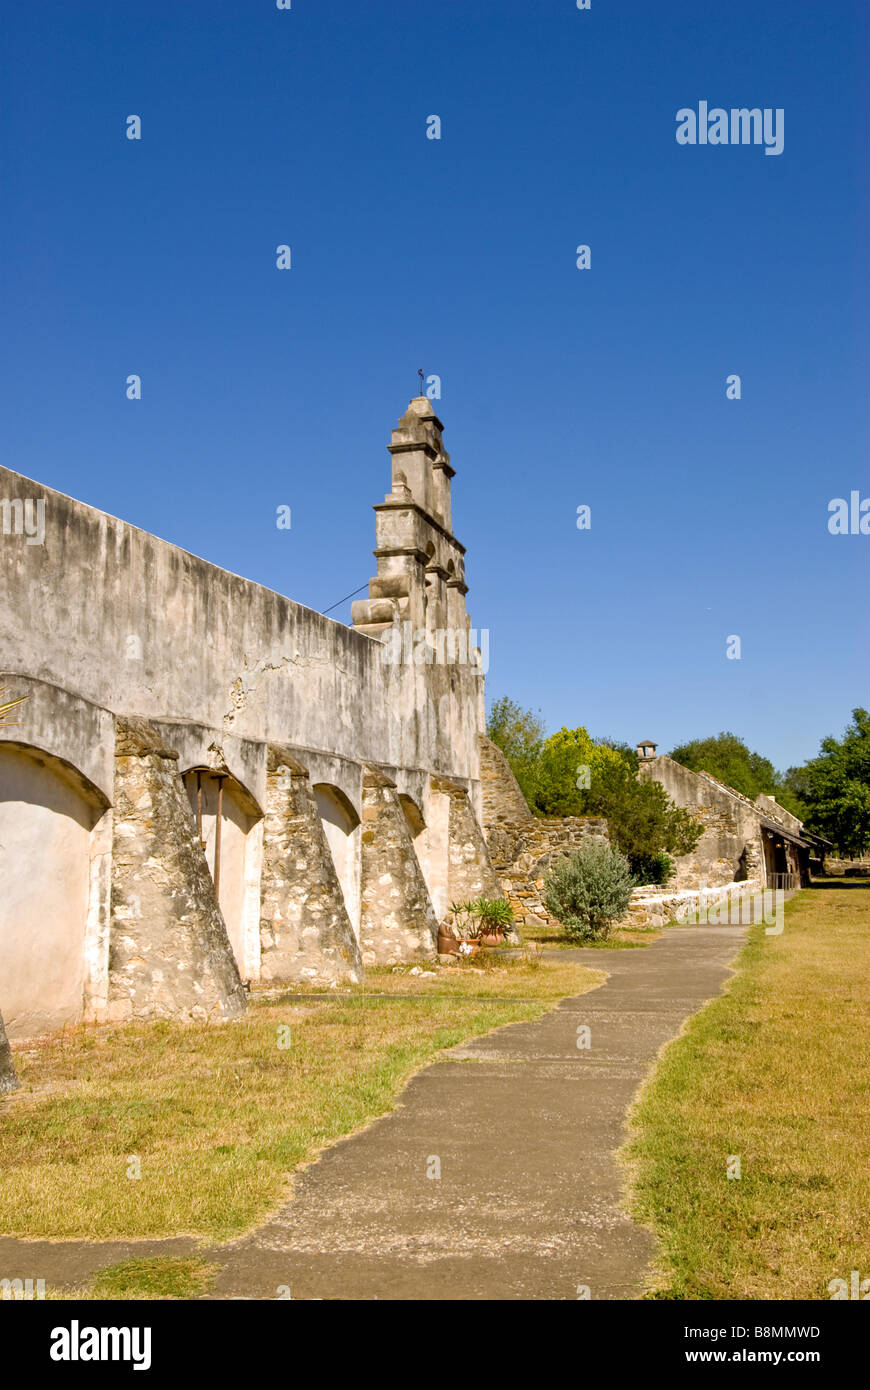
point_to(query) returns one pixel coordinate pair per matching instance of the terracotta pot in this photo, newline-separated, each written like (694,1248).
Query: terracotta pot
(492,938)
(449,945)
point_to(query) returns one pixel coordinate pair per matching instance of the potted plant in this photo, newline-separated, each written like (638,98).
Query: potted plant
(459,933)
(495,916)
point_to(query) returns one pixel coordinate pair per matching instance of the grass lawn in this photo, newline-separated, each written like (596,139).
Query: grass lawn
(618,939)
(218,1117)
(776,1073)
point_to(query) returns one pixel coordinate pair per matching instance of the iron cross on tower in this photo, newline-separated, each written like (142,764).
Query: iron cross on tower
(420,375)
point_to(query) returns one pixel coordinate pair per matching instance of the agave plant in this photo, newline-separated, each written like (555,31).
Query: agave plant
(8,705)
(494,914)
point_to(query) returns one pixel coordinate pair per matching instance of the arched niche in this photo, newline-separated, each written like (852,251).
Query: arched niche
(340,822)
(413,816)
(48,814)
(229,825)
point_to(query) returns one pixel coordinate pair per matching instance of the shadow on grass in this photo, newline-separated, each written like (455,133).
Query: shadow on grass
(840,883)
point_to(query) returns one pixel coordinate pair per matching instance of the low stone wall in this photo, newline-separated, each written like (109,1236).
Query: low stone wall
(522,853)
(838,868)
(655,907)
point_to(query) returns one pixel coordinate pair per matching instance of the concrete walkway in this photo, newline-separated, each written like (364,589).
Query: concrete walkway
(524,1126)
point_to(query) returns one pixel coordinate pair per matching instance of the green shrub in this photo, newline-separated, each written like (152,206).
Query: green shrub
(589,890)
(652,868)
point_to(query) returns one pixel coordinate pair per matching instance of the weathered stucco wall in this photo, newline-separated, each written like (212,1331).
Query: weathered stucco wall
(158,853)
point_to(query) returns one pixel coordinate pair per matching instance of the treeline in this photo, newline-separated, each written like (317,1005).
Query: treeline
(569,773)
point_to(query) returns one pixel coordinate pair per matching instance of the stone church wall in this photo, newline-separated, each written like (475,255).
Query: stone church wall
(226,788)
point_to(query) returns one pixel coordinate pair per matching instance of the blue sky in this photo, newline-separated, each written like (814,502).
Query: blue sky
(560,387)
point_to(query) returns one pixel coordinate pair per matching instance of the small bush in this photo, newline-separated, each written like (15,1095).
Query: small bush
(652,868)
(589,890)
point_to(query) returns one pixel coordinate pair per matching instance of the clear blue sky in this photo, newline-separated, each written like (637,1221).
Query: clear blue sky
(560,387)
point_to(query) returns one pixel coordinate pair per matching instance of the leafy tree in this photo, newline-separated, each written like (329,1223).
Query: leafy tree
(729,759)
(836,787)
(519,733)
(569,766)
(792,791)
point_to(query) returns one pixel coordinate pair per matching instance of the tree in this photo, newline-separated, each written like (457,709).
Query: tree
(641,818)
(728,758)
(570,764)
(836,787)
(519,733)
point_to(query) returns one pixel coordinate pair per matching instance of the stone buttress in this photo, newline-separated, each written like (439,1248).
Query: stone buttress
(305,930)
(169,953)
(398,921)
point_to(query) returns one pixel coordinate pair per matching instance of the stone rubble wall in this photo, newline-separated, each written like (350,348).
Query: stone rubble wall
(730,846)
(501,799)
(837,868)
(650,907)
(522,854)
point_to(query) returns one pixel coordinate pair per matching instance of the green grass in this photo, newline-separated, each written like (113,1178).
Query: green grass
(619,938)
(777,1073)
(218,1117)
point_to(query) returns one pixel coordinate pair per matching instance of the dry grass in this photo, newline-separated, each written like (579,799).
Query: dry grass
(777,1073)
(218,1117)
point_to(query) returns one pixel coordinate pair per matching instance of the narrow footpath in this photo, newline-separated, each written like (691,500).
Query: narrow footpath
(523,1126)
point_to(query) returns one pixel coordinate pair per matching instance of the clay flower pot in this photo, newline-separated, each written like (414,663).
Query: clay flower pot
(450,945)
(492,938)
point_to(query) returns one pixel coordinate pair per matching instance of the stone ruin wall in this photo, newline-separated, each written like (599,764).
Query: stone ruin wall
(730,847)
(523,846)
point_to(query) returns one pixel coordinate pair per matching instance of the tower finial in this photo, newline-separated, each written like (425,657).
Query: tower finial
(420,375)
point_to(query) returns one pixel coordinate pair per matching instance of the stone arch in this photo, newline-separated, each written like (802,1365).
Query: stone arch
(233,847)
(51,820)
(341,822)
(414,818)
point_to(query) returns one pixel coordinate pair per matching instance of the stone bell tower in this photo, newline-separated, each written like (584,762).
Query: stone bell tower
(421,565)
